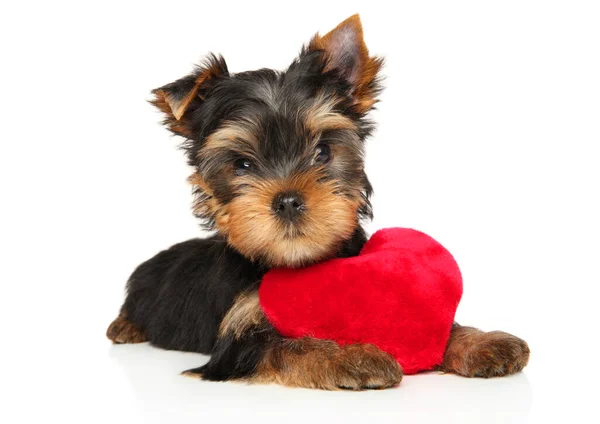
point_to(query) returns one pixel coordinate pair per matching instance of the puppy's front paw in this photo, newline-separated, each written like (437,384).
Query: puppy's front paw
(494,354)
(364,367)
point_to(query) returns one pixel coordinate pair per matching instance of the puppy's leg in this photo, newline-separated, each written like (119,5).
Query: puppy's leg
(322,364)
(474,353)
(123,331)
(249,349)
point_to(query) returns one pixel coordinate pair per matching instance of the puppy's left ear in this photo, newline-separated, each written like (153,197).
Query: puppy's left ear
(346,53)
(180,98)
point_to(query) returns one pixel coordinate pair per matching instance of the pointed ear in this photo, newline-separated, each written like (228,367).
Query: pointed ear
(177,99)
(346,53)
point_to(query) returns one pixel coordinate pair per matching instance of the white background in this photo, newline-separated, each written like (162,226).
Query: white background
(488,140)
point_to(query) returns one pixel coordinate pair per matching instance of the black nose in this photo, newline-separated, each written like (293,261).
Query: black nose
(288,205)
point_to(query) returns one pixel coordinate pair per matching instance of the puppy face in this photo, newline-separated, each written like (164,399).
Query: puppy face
(279,156)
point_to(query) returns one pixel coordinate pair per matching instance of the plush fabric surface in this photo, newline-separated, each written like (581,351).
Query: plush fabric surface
(400,294)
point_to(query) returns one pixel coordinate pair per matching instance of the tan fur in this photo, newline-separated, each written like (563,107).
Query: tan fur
(368,66)
(308,362)
(231,134)
(123,331)
(322,116)
(192,374)
(256,231)
(178,126)
(175,108)
(179,106)
(322,364)
(248,220)
(206,204)
(474,353)
(244,313)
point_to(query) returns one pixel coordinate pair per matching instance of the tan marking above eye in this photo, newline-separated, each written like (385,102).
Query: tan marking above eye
(321,116)
(239,134)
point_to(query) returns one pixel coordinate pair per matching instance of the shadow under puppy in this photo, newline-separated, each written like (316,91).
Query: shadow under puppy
(279,174)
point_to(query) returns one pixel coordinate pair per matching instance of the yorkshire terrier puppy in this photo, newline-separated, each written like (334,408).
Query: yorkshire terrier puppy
(279,176)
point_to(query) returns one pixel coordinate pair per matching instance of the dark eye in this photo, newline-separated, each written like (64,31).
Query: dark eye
(242,166)
(322,153)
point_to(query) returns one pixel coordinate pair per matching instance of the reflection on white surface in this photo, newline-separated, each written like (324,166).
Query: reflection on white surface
(162,395)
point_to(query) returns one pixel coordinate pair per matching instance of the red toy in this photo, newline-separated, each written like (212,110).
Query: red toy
(400,294)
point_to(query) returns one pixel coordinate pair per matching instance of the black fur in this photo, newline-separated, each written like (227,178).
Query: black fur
(233,358)
(264,119)
(241,97)
(179,297)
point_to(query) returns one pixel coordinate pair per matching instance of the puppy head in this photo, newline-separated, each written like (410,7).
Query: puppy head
(279,156)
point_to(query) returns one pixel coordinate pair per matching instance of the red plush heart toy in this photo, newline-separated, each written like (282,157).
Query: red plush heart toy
(400,294)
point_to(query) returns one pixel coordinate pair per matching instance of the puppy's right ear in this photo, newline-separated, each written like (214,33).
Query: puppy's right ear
(178,99)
